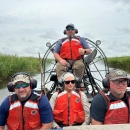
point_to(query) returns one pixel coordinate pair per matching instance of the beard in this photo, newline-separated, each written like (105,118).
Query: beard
(23,97)
(70,36)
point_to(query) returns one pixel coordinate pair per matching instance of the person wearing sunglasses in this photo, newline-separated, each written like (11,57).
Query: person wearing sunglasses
(25,108)
(69,52)
(70,107)
(112,107)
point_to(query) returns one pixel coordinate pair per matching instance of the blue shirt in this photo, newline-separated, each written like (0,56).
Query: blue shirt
(59,44)
(45,110)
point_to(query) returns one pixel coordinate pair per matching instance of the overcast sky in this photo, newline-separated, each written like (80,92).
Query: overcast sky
(26,25)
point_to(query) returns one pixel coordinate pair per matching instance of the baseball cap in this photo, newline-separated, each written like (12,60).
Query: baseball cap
(21,77)
(117,74)
(70,25)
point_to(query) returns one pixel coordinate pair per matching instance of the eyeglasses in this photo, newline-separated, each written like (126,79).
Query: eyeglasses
(70,28)
(117,82)
(24,85)
(68,82)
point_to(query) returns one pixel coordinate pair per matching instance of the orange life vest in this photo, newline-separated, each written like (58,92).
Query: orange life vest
(69,49)
(26,118)
(69,110)
(117,112)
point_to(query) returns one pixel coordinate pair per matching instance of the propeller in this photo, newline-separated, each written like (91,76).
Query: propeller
(89,58)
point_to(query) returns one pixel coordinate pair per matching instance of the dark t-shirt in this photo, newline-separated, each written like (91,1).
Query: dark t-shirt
(99,106)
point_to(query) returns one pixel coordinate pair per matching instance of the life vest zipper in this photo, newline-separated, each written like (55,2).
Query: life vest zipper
(70,48)
(22,118)
(69,110)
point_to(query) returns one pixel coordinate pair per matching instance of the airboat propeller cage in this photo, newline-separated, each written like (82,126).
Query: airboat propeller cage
(95,70)
(98,42)
(48,44)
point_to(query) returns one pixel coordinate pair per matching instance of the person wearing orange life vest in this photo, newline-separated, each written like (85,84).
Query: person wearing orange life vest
(25,108)
(112,107)
(69,107)
(69,51)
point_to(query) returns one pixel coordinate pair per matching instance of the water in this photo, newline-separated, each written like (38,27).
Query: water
(3,93)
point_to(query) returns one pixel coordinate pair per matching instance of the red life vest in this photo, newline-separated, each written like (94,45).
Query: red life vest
(28,117)
(117,112)
(69,49)
(69,110)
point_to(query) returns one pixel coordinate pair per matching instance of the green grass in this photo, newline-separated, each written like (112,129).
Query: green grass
(120,62)
(10,65)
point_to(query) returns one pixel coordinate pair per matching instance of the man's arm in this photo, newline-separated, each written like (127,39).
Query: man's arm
(2,127)
(60,60)
(57,51)
(57,57)
(46,126)
(4,109)
(94,122)
(86,49)
(98,110)
(46,114)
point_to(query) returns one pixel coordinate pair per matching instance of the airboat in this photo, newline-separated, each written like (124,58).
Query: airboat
(96,68)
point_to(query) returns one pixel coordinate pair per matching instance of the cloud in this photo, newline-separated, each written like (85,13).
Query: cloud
(12,40)
(30,50)
(31,41)
(1,22)
(27,25)
(126,2)
(125,30)
(7,50)
(121,5)
(116,47)
(49,35)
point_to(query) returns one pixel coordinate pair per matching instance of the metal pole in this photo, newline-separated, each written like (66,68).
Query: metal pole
(42,76)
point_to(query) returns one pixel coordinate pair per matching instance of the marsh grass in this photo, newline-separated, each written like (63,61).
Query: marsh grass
(120,62)
(11,64)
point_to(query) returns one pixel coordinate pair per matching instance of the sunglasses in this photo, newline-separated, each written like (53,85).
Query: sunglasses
(68,29)
(24,85)
(117,82)
(68,82)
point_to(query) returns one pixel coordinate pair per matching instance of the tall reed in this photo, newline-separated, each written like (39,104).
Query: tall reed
(120,62)
(10,64)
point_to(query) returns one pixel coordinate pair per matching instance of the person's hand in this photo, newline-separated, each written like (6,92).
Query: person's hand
(64,63)
(81,51)
(58,128)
